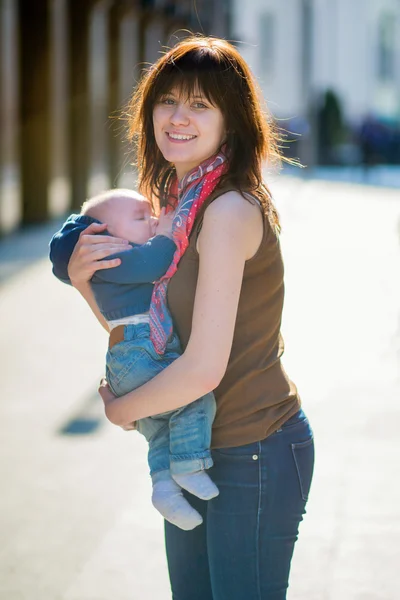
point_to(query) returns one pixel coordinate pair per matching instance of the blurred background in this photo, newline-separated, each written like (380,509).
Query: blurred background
(329,70)
(75,511)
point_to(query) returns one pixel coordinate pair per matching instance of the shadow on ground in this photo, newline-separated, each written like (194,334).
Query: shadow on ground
(86,420)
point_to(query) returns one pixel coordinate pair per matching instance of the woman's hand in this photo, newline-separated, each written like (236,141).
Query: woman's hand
(105,392)
(108,397)
(89,251)
(165,221)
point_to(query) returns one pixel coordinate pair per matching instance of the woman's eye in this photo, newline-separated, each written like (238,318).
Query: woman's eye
(168,101)
(199,105)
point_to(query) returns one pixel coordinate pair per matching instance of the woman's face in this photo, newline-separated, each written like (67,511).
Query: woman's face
(187,131)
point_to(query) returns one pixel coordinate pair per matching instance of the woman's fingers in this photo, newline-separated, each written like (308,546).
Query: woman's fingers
(105,391)
(87,238)
(88,235)
(130,427)
(91,257)
(96,226)
(100,252)
(106,249)
(89,251)
(108,264)
(93,228)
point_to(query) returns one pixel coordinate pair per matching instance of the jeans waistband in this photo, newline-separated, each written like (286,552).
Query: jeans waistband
(296,418)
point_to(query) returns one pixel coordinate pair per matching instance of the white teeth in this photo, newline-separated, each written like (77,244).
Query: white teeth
(176,136)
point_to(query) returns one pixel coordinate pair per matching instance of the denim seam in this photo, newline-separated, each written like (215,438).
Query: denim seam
(197,456)
(195,465)
(128,367)
(160,430)
(296,424)
(153,472)
(294,447)
(258,521)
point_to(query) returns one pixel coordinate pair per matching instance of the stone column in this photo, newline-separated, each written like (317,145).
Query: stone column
(129,69)
(79,115)
(59,188)
(34,38)
(10,197)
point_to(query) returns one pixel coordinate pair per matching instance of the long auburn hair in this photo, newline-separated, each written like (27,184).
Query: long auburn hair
(216,68)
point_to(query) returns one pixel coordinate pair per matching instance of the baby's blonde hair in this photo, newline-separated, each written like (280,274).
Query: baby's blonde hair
(92,206)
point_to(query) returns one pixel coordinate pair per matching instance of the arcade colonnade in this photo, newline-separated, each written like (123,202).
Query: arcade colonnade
(67,68)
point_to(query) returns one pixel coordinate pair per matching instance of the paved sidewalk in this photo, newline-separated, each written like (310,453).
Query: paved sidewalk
(75,511)
(386,176)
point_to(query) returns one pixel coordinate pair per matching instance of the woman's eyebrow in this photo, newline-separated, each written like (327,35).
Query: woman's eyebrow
(191,98)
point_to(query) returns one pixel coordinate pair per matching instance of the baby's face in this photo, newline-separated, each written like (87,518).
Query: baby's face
(131,219)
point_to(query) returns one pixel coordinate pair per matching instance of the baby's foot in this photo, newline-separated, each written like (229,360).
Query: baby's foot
(199,484)
(168,499)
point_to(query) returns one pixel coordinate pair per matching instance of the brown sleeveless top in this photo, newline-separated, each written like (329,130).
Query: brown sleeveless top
(255,395)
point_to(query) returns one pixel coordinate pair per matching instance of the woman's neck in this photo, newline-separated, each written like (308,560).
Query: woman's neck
(181,171)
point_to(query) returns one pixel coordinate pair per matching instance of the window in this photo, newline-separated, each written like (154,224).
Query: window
(267,42)
(386,47)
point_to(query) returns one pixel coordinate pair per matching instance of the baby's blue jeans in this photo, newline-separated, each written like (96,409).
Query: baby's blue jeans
(178,440)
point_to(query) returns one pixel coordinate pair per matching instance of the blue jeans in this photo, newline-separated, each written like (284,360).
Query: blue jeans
(244,546)
(179,440)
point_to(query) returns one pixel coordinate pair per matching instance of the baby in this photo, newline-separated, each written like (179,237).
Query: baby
(179,441)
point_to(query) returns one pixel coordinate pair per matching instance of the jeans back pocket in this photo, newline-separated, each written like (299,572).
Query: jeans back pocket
(303,454)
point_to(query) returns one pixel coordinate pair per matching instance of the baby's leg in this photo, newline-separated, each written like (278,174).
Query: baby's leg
(129,365)
(168,499)
(190,439)
(167,496)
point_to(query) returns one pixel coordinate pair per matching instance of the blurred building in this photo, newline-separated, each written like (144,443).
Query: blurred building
(329,69)
(67,67)
(326,66)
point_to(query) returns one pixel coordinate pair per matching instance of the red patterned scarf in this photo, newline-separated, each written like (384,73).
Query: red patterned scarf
(195,187)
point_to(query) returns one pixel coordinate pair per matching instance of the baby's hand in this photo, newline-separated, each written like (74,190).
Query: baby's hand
(164,226)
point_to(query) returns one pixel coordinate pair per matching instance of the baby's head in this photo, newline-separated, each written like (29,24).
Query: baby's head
(128,214)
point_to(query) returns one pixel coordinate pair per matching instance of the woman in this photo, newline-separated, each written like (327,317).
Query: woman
(226,296)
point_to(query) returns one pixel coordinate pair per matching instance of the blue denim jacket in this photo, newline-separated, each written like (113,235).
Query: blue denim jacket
(124,290)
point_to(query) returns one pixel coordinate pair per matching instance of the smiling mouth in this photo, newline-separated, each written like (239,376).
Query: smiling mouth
(180,137)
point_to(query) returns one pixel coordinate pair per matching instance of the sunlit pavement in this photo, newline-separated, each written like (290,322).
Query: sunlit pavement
(75,512)
(387,176)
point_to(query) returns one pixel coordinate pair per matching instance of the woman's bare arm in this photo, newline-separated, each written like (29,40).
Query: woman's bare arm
(86,292)
(231,229)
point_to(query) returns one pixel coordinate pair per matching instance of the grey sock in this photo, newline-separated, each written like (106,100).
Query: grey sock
(199,484)
(168,499)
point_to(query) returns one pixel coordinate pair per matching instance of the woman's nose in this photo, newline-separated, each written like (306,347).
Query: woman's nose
(180,115)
